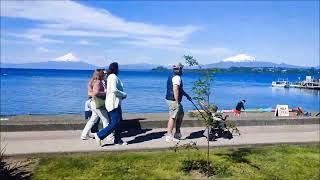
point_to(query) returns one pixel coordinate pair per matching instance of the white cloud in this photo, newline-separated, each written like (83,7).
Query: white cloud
(153,42)
(68,18)
(67,58)
(210,51)
(43,49)
(84,42)
(240,58)
(34,37)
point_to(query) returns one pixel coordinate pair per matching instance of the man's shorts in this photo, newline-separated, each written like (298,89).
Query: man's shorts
(175,110)
(237,112)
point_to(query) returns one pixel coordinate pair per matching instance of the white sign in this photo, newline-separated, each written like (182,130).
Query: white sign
(282,110)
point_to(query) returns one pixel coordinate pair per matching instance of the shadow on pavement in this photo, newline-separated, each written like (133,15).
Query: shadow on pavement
(147,137)
(132,127)
(213,137)
(196,135)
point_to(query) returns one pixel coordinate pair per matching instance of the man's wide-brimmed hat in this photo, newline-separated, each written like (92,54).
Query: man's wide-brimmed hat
(178,66)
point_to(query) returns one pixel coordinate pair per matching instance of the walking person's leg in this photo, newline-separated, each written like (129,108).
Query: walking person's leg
(95,127)
(85,132)
(170,125)
(115,120)
(92,121)
(179,120)
(117,131)
(105,118)
(173,112)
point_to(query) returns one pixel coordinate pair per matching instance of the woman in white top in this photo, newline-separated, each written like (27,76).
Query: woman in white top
(114,96)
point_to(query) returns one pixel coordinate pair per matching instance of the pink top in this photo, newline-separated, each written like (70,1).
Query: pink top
(98,88)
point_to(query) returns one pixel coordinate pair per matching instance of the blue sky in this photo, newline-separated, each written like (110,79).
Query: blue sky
(157,32)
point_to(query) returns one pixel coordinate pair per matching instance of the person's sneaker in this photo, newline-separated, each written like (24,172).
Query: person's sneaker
(90,135)
(110,138)
(121,142)
(85,137)
(98,140)
(177,135)
(170,139)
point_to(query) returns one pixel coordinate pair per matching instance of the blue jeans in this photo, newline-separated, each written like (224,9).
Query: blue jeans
(115,118)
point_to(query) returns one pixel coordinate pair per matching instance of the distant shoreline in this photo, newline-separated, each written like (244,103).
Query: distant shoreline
(266,70)
(309,71)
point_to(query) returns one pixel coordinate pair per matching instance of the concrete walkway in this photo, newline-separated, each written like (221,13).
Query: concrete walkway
(33,142)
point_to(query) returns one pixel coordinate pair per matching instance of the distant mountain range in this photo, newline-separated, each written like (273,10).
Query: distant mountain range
(75,65)
(70,61)
(228,64)
(138,66)
(79,65)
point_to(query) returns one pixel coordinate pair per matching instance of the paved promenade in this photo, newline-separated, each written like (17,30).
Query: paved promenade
(33,142)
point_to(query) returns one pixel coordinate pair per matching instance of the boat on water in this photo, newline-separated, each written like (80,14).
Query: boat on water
(309,83)
(280,83)
(295,84)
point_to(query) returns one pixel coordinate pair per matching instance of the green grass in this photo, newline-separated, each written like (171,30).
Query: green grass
(270,162)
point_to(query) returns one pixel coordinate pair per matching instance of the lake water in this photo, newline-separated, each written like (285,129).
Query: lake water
(28,91)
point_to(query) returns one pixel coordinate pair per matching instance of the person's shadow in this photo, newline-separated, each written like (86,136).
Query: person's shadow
(147,137)
(132,127)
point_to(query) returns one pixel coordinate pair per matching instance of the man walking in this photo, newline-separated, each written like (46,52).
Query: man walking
(174,97)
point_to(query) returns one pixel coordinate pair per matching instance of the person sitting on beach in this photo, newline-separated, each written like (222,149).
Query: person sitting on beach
(114,96)
(239,106)
(174,97)
(96,89)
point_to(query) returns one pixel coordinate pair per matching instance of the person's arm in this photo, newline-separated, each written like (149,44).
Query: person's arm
(242,106)
(96,89)
(112,82)
(176,81)
(176,92)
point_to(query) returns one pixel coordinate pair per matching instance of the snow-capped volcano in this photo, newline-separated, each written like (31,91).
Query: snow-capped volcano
(67,58)
(240,58)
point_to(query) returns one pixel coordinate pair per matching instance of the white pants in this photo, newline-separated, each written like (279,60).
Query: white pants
(96,113)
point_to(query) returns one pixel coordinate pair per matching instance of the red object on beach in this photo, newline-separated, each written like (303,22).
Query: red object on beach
(236,112)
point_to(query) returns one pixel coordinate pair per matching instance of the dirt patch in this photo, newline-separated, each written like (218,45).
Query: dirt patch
(197,175)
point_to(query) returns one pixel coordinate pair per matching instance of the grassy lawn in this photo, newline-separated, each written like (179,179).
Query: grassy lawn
(270,162)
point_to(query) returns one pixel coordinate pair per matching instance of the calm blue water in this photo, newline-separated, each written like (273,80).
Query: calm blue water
(26,91)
